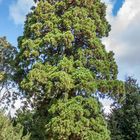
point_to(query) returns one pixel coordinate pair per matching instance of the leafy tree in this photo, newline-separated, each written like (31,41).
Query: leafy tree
(124,121)
(33,123)
(62,64)
(7,56)
(10,132)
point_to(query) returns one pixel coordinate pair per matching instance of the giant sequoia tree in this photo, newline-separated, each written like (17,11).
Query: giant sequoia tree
(62,64)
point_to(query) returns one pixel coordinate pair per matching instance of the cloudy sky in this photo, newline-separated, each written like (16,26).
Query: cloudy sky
(124,38)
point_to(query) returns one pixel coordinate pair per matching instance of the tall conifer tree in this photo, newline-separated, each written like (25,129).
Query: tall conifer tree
(62,64)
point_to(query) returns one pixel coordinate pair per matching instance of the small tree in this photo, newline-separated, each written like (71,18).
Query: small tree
(124,121)
(10,132)
(7,56)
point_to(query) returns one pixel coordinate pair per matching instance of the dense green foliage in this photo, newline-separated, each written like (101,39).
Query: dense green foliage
(124,122)
(10,132)
(63,38)
(62,64)
(76,118)
(34,123)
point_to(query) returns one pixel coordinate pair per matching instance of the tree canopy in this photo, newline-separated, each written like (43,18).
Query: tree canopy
(124,121)
(61,53)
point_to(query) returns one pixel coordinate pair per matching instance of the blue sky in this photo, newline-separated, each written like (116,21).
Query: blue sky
(124,38)
(7,26)
(124,16)
(10,25)
(117,5)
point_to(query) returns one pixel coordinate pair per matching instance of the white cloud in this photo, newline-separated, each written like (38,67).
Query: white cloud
(107,110)
(124,39)
(19,9)
(106,105)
